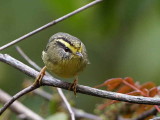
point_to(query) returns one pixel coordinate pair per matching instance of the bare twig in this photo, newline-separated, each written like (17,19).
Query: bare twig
(19,108)
(81,114)
(58,89)
(50,81)
(16,96)
(78,113)
(147,114)
(66,103)
(156,118)
(50,24)
(28,59)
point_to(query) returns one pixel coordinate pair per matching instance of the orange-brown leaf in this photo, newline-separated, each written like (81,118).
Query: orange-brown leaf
(143,108)
(110,102)
(148,85)
(132,85)
(124,89)
(157,107)
(145,92)
(129,80)
(113,83)
(135,93)
(153,91)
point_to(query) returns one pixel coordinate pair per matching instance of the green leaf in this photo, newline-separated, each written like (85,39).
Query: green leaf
(58,116)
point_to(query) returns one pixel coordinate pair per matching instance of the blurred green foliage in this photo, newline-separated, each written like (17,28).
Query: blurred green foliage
(58,116)
(122,39)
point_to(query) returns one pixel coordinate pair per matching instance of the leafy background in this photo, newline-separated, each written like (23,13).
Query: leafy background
(122,39)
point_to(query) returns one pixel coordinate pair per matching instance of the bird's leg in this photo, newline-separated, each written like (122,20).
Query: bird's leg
(38,80)
(73,86)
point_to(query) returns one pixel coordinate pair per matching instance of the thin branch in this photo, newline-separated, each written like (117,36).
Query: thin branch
(50,81)
(78,113)
(58,89)
(68,106)
(19,108)
(156,118)
(81,114)
(50,24)
(16,96)
(28,59)
(147,114)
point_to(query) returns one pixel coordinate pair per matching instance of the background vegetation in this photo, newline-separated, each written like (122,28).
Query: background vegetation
(122,39)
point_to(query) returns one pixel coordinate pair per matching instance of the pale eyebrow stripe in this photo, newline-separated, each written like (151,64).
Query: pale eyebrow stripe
(65,39)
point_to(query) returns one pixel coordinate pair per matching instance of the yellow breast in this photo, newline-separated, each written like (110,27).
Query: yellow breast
(65,68)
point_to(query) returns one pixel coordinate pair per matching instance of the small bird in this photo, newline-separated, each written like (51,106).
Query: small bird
(65,56)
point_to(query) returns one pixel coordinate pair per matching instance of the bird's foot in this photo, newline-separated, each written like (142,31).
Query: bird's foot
(38,80)
(73,86)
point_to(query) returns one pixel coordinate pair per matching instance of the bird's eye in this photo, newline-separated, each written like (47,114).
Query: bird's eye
(67,49)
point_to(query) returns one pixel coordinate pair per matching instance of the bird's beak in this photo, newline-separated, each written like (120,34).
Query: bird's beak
(79,54)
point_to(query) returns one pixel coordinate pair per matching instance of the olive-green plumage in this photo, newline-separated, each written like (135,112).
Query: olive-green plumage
(65,55)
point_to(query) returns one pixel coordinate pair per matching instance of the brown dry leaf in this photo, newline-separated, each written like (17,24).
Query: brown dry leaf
(113,83)
(148,85)
(153,91)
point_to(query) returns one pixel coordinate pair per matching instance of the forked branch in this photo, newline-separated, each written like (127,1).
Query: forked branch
(50,81)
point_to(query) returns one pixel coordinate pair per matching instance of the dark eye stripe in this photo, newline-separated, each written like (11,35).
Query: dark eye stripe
(63,46)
